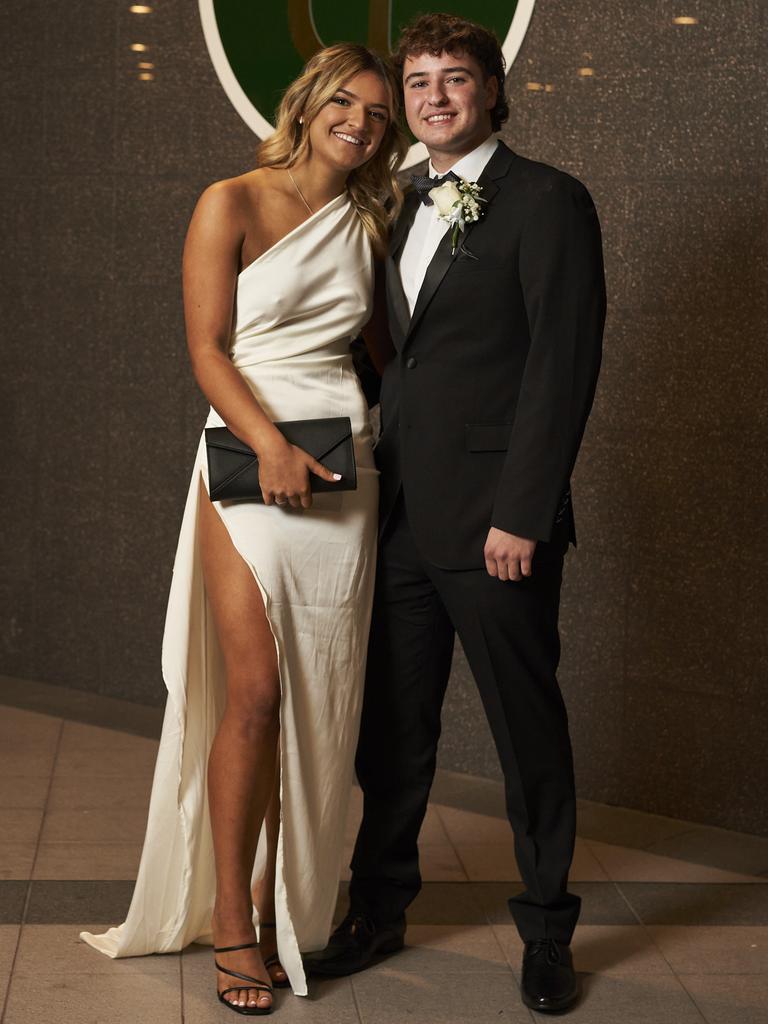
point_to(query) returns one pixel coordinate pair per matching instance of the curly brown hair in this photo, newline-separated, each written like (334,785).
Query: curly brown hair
(446,33)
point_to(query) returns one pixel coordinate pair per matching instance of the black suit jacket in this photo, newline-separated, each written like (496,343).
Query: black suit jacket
(484,406)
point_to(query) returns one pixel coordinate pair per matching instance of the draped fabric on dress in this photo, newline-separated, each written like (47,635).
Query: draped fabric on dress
(297,308)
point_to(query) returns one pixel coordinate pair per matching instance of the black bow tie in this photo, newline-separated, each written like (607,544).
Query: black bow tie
(423,184)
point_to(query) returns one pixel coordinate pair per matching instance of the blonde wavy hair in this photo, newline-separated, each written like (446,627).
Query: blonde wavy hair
(373,187)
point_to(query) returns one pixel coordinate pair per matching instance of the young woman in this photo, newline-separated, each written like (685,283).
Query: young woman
(267,624)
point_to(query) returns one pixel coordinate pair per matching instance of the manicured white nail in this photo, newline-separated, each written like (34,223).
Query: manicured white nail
(337,476)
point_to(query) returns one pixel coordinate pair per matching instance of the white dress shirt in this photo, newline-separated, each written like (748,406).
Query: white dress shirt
(427,230)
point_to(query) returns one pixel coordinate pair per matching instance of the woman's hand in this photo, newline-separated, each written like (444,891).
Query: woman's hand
(284,474)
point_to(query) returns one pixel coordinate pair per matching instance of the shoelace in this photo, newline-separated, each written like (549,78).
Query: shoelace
(360,922)
(548,946)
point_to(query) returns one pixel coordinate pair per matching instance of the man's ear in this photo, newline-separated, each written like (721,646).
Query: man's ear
(491,92)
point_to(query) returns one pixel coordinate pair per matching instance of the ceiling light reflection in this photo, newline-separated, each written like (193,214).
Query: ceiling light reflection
(685,20)
(140,9)
(146,76)
(139,47)
(145,64)
(586,72)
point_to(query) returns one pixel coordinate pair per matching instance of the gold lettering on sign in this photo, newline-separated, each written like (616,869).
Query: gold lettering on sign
(379,19)
(304,33)
(302,26)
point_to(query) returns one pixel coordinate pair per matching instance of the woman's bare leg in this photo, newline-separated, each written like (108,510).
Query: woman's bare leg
(241,766)
(264,890)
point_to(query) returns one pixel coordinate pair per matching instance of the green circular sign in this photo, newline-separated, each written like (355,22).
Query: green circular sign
(257,53)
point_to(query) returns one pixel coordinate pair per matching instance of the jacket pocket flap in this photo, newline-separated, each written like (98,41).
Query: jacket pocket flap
(487,437)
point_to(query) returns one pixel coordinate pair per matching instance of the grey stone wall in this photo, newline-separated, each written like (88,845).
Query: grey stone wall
(663,617)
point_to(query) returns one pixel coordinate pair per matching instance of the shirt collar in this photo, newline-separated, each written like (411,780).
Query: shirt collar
(472,164)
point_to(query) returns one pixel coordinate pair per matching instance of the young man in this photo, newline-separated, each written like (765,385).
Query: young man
(483,409)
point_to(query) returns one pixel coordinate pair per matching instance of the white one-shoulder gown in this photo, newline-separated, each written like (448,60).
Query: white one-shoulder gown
(297,308)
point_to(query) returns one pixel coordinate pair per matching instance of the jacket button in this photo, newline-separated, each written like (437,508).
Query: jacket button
(411,362)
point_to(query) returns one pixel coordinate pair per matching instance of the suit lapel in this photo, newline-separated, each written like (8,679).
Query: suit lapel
(496,168)
(395,294)
(404,222)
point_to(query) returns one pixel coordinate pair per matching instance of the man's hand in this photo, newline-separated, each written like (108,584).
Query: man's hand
(507,556)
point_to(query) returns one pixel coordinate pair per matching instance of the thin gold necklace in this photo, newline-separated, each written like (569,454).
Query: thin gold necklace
(311,212)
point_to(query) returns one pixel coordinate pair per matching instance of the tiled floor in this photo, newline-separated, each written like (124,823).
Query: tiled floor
(674,925)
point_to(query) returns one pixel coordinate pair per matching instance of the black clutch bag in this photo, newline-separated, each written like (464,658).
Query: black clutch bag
(233,467)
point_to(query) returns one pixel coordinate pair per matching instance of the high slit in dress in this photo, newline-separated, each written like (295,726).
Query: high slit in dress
(297,308)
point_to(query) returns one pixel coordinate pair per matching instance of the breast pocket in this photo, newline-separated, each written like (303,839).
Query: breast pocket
(487,437)
(465,255)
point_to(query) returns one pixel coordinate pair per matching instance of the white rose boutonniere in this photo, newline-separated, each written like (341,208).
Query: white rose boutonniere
(458,203)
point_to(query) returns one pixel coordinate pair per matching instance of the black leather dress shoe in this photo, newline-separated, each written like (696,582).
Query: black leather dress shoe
(549,982)
(355,943)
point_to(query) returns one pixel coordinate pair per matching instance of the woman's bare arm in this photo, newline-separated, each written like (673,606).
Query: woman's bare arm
(210,270)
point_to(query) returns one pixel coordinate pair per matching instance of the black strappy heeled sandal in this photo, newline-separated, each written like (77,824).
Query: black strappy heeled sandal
(262,986)
(274,960)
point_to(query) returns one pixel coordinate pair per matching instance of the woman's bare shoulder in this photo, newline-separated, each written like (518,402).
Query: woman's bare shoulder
(241,193)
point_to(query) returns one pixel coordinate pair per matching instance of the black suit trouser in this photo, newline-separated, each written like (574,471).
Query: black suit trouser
(509,634)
